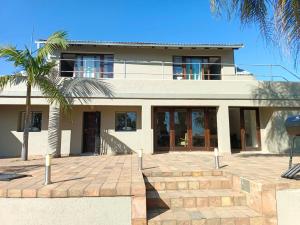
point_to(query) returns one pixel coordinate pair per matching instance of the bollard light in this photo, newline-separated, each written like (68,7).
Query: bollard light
(48,169)
(140,155)
(216,153)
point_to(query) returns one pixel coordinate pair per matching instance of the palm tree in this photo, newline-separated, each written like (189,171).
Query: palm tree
(278,20)
(35,73)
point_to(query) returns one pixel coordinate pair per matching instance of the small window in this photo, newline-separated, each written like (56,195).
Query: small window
(125,121)
(36,122)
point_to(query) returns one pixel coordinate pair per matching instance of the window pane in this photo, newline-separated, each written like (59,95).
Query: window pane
(198,128)
(131,121)
(163,129)
(125,121)
(212,124)
(108,66)
(36,121)
(177,67)
(120,121)
(215,69)
(67,65)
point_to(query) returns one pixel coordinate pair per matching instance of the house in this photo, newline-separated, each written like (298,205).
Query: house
(157,97)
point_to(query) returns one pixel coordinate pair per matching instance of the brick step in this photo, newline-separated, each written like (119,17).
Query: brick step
(194,198)
(205,216)
(187,183)
(198,173)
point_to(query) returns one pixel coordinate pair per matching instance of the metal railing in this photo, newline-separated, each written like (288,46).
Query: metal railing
(161,70)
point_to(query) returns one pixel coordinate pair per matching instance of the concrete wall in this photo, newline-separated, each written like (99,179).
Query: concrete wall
(112,142)
(10,136)
(288,205)
(58,211)
(273,134)
(153,70)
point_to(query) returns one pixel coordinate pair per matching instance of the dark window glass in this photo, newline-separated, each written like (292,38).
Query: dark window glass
(36,121)
(215,68)
(67,65)
(125,121)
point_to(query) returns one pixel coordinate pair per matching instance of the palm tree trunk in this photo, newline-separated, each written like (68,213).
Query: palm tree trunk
(24,154)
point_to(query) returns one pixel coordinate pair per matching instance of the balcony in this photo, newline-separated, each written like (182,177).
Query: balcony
(109,68)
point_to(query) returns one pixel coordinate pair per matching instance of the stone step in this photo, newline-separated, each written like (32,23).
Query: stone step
(199,173)
(204,216)
(194,198)
(187,183)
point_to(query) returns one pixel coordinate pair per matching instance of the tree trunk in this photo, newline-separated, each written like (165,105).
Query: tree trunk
(24,154)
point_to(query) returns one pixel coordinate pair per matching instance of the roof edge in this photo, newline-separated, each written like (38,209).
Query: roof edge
(150,44)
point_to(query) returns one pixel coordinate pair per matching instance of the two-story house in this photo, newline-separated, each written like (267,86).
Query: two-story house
(159,97)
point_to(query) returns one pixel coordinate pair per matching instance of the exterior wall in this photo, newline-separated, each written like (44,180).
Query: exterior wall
(112,142)
(153,70)
(273,134)
(11,138)
(57,211)
(288,205)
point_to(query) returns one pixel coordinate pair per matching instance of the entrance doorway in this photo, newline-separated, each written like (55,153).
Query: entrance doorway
(182,129)
(91,132)
(244,129)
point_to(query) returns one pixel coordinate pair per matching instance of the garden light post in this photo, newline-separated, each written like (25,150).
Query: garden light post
(48,169)
(140,155)
(216,154)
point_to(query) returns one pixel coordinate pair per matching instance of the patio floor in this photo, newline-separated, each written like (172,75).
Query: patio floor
(265,169)
(119,175)
(75,177)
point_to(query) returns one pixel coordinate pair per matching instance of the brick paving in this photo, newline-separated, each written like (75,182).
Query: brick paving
(85,176)
(178,185)
(261,168)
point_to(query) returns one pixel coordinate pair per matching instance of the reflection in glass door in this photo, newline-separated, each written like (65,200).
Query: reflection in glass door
(180,128)
(251,139)
(198,128)
(163,129)
(193,68)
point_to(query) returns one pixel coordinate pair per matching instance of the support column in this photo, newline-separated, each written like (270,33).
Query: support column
(54,131)
(147,131)
(223,129)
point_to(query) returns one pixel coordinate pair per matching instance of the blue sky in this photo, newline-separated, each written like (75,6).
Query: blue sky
(131,20)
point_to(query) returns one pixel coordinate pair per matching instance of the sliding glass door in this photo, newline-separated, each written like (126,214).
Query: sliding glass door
(250,129)
(185,128)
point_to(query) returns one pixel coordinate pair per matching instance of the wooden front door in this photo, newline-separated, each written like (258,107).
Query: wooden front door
(91,132)
(184,128)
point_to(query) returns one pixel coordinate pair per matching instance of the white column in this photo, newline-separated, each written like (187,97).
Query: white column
(54,131)
(147,131)
(223,129)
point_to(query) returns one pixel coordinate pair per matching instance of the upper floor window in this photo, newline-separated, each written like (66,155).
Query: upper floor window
(81,65)
(196,68)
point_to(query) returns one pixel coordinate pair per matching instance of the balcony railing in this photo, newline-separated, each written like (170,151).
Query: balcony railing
(160,70)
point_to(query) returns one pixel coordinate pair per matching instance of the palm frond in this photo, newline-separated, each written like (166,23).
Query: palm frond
(56,41)
(278,20)
(52,92)
(12,80)
(11,54)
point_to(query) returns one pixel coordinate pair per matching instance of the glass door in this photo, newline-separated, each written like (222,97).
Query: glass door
(250,130)
(162,130)
(193,68)
(198,128)
(180,129)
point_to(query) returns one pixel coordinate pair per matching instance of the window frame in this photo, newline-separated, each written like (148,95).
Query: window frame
(21,123)
(125,112)
(183,63)
(102,64)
